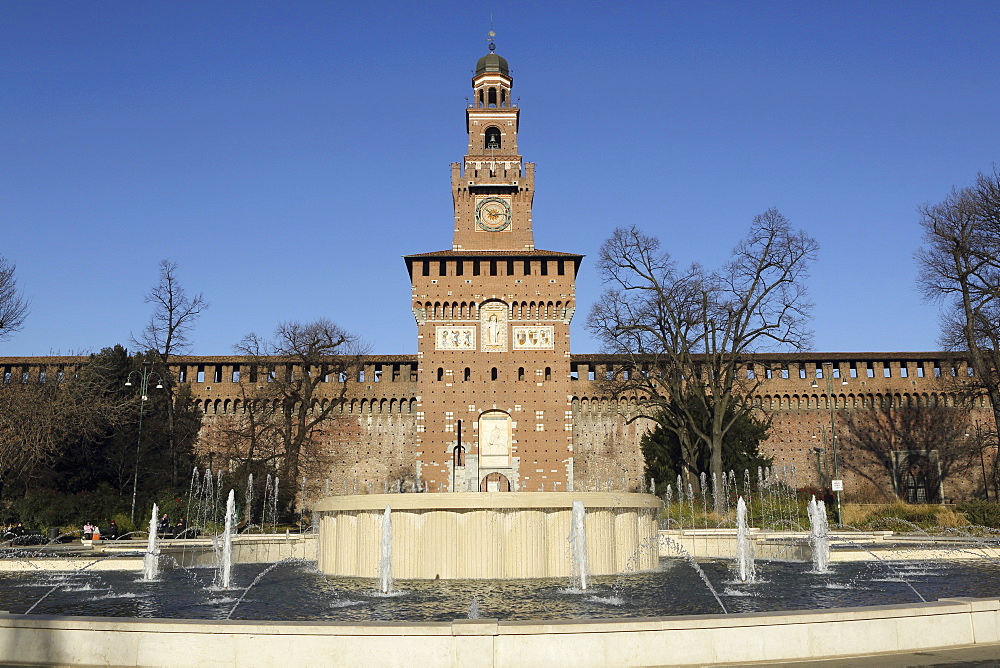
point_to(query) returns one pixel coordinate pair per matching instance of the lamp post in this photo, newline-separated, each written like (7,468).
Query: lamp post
(828,376)
(144,377)
(819,463)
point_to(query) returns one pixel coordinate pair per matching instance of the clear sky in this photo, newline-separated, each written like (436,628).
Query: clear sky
(286,154)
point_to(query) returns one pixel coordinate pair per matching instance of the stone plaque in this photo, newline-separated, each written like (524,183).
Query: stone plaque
(455,338)
(494,440)
(534,338)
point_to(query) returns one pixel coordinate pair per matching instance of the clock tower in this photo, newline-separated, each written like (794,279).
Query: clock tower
(493,314)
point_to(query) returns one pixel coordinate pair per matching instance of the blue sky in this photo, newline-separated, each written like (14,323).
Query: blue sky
(285,155)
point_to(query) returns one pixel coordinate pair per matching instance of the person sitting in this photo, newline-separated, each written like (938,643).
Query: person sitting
(112,532)
(164,527)
(88,531)
(180,529)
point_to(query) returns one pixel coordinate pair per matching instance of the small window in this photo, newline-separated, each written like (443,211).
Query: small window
(520,373)
(467,374)
(548,373)
(440,374)
(494,374)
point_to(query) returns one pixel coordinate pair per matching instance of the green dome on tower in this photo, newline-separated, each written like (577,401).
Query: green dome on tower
(491,62)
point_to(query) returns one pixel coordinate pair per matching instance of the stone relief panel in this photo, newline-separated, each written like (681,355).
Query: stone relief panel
(493,325)
(455,338)
(494,440)
(534,338)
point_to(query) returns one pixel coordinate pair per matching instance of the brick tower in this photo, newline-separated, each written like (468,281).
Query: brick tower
(493,315)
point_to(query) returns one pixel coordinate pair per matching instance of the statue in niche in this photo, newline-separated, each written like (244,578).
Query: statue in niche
(493,322)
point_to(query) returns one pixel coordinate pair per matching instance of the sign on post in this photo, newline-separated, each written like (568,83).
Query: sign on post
(837,485)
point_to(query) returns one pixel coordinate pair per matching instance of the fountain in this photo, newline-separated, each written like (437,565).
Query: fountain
(151,560)
(620,612)
(744,545)
(819,536)
(385,553)
(485,535)
(578,544)
(226,562)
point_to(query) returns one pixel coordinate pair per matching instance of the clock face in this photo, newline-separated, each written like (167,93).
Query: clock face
(493,214)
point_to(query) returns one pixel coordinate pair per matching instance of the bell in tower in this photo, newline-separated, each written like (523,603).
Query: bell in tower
(492,138)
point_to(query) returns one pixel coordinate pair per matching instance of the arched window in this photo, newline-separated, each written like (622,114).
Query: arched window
(520,373)
(548,373)
(493,373)
(492,138)
(440,374)
(467,374)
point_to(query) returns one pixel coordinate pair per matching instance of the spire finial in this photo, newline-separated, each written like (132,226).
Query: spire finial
(490,35)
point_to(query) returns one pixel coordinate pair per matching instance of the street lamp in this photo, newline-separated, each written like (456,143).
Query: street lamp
(828,376)
(144,377)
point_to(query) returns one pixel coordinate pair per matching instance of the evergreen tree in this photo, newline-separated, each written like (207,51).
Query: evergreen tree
(666,459)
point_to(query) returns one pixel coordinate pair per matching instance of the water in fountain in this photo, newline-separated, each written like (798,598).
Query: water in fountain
(385,561)
(193,486)
(267,500)
(274,506)
(745,568)
(249,499)
(226,563)
(819,536)
(578,545)
(150,561)
(704,498)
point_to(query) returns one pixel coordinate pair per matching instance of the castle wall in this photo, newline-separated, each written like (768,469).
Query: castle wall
(373,433)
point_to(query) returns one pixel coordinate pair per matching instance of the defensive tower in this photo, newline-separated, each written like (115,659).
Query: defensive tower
(493,314)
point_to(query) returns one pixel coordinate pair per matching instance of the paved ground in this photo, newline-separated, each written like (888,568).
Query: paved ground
(978,656)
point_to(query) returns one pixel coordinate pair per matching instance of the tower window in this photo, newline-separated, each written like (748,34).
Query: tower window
(493,267)
(520,373)
(548,373)
(440,374)
(467,375)
(493,373)
(492,138)
(491,98)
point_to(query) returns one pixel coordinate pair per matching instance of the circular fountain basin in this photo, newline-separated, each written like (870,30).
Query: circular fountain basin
(479,535)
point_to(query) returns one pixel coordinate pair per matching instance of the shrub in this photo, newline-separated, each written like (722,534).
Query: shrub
(982,513)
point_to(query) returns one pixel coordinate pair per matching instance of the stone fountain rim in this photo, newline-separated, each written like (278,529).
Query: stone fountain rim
(487,501)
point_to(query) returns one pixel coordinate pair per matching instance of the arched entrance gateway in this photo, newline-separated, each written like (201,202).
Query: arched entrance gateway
(495,482)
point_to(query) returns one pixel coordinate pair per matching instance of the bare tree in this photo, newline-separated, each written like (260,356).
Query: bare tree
(689,333)
(168,333)
(927,444)
(13,304)
(960,269)
(303,372)
(41,414)
(174,312)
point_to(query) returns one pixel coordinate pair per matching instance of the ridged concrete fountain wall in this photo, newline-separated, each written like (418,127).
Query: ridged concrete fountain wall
(486,535)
